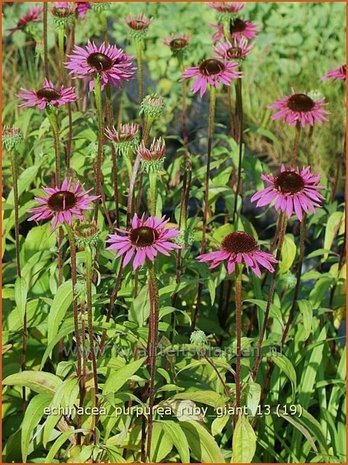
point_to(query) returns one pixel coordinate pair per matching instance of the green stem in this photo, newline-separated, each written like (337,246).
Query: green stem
(61,36)
(238,301)
(239,108)
(152,192)
(296,143)
(152,348)
(73,266)
(206,198)
(98,103)
(45,47)
(281,228)
(298,279)
(89,277)
(139,58)
(52,117)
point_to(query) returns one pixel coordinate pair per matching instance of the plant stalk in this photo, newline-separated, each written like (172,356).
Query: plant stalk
(98,103)
(296,144)
(239,109)
(238,301)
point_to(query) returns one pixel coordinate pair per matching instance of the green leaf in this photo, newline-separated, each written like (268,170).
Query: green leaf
(307,317)
(253,395)
(288,254)
(65,397)
(286,367)
(21,293)
(179,439)
(211,398)
(203,446)
(57,445)
(32,417)
(118,378)
(244,441)
(38,381)
(161,443)
(61,302)
(332,227)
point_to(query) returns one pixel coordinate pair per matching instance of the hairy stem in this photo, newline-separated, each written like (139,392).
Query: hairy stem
(282,221)
(206,199)
(239,108)
(98,103)
(294,155)
(45,47)
(238,301)
(139,58)
(152,348)
(80,378)
(298,279)
(152,199)
(89,275)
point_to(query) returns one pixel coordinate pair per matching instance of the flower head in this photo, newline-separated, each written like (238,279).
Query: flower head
(336,74)
(152,158)
(301,108)
(63,13)
(63,203)
(86,234)
(227,7)
(138,25)
(32,16)
(82,8)
(199,338)
(211,72)
(291,191)
(177,43)
(237,28)
(47,95)
(238,49)
(239,247)
(152,106)
(126,137)
(11,137)
(107,61)
(144,240)
(100,6)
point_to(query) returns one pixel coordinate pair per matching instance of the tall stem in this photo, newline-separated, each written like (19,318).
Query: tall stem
(239,108)
(139,57)
(152,348)
(152,200)
(61,51)
(282,221)
(294,155)
(45,8)
(89,276)
(98,103)
(206,198)
(76,313)
(238,301)
(207,174)
(18,264)
(52,117)
(298,280)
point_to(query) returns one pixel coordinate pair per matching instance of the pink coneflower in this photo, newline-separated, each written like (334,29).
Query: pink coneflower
(143,240)
(237,50)
(178,42)
(82,8)
(239,247)
(336,74)
(238,28)
(63,9)
(213,72)
(300,107)
(227,7)
(138,23)
(291,191)
(126,137)
(63,203)
(32,16)
(47,95)
(109,62)
(154,153)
